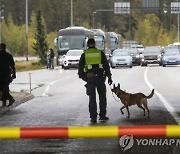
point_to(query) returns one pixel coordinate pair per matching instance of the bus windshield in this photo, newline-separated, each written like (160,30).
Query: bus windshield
(99,42)
(71,42)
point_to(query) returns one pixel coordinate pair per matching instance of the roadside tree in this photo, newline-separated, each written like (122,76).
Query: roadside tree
(40,45)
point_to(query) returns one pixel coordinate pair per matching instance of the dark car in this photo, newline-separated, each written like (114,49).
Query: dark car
(171,57)
(135,56)
(151,55)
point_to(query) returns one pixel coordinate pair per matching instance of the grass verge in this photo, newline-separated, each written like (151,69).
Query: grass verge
(28,65)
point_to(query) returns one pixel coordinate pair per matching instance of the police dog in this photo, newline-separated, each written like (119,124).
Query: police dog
(129,99)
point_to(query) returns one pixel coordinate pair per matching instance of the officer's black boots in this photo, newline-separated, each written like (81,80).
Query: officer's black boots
(93,120)
(11,101)
(104,118)
(3,103)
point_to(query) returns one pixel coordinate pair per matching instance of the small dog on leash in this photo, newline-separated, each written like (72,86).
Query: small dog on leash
(129,99)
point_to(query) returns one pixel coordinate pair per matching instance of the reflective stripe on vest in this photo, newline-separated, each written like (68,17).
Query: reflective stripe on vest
(92,57)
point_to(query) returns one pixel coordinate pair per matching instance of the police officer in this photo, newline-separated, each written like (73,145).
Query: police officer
(7,74)
(93,69)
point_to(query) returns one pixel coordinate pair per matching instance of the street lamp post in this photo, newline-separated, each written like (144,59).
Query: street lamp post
(100,10)
(26,30)
(94,18)
(71,13)
(165,19)
(165,16)
(175,9)
(178,27)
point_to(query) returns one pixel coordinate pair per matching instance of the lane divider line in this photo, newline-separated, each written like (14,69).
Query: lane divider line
(169,108)
(168,131)
(52,83)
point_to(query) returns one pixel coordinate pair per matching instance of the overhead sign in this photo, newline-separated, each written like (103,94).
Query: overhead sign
(175,7)
(150,6)
(122,7)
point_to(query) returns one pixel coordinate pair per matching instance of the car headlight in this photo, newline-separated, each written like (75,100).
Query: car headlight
(159,59)
(141,56)
(65,60)
(165,59)
(137,56)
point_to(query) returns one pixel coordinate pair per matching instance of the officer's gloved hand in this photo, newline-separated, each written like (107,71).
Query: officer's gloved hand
(110,81)
(13,76)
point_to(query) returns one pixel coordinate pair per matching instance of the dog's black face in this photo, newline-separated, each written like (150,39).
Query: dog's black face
(116,89)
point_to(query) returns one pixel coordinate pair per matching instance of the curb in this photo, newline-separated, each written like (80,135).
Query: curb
(16,103)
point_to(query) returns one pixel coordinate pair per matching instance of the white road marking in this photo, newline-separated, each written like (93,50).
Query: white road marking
(52,83)
(169,108)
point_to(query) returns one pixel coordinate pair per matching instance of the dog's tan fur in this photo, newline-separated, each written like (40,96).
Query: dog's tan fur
(129,99)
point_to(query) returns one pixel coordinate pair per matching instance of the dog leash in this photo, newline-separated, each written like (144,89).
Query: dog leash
(113,95)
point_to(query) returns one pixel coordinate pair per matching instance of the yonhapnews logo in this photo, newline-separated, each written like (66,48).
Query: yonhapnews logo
(127,141)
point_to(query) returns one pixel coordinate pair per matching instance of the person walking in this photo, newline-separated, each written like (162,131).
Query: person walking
(7,74)
(93,69)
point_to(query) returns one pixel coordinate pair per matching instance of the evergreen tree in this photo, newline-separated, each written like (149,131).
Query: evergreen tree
(41,45)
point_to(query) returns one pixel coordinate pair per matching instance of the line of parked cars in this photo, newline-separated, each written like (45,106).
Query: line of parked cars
(169,55)
(128,57)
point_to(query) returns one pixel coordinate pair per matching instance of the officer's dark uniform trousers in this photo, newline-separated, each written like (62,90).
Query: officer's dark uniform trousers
(6,64)
(93,83)
(4,86)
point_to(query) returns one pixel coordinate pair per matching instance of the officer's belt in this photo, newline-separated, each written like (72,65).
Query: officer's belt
(91,74)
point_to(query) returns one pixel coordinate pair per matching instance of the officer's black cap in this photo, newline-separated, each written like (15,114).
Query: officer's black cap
(91,41)
(2,46)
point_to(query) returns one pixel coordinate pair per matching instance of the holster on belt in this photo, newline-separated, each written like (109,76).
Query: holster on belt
(90,74)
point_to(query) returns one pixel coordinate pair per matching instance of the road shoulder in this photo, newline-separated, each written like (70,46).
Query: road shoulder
(20,97)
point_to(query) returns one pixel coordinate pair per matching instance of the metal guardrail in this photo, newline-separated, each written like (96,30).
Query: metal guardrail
(89,132)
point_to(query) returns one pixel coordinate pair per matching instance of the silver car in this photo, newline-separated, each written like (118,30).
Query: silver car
(121,57)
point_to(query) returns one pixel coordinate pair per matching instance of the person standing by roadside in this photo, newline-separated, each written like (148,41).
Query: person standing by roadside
(93,69)
(51,58)
(48,59)
(7,74)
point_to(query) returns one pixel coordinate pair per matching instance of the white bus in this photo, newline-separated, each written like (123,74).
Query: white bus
(115,40)
(71,38)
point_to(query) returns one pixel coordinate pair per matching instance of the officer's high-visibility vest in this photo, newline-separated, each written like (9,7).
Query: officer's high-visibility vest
(92,57)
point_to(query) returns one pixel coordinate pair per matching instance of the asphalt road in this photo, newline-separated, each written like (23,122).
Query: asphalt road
(60,100)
